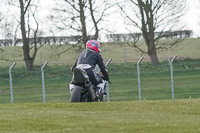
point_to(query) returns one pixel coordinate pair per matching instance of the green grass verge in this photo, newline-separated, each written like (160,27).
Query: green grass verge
(155,82)
(165,116)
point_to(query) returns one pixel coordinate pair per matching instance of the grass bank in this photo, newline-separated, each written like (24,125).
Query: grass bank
(178,116)
(189,48)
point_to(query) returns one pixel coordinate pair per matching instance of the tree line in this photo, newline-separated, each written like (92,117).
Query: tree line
(115,38)
(139,36)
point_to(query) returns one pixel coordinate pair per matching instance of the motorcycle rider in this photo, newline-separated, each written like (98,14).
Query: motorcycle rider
(88,59)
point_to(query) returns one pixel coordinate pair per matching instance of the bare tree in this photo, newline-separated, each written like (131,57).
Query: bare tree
(10,29)
(25,13)
(150,16)
(81,17)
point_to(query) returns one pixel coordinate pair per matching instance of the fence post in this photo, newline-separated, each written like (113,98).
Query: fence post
(43,84)
(172,78)
(138,74)
(107,87)
(108,91)
(11,87)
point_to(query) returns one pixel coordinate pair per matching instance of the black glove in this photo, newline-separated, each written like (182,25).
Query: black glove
(108,81)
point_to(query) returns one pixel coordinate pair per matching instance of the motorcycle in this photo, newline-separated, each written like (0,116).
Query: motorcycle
(81,88)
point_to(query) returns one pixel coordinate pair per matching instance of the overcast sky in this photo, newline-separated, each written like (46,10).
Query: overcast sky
(191,18)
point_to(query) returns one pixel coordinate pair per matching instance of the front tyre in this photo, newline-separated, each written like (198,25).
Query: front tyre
(76,95)
(101,97)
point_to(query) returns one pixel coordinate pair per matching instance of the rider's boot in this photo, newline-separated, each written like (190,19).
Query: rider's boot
(99,92)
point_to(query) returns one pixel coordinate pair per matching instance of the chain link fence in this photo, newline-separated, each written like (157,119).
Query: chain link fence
(155,81)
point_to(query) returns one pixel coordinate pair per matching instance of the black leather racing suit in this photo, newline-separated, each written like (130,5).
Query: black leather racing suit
(92,58)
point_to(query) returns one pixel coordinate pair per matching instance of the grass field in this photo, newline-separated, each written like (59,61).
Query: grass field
(165,116)
(156,113)
(155,82)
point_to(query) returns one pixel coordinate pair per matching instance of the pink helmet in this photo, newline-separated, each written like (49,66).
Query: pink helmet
(93,44)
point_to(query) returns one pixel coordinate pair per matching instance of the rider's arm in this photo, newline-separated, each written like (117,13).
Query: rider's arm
(102,67)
